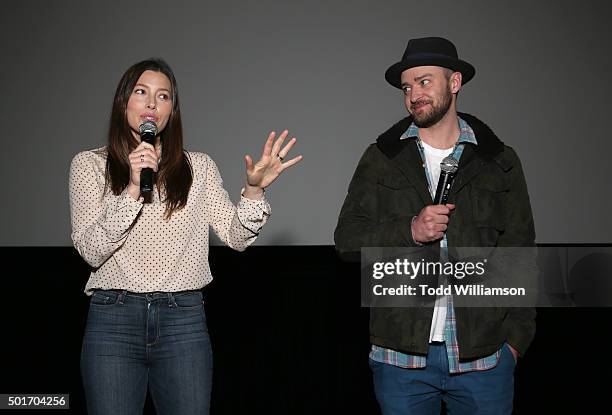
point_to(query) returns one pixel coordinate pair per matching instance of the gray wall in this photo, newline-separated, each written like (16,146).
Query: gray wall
(245,68)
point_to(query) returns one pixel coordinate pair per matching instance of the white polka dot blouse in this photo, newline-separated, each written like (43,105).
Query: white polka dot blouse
(132,246)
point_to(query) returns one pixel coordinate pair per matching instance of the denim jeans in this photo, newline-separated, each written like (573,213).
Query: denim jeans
(137,340)
(421,391)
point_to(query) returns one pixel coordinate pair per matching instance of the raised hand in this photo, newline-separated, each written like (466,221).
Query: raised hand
(272,163)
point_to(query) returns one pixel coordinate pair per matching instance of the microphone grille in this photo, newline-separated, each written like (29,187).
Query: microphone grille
(148,127)
(449,165)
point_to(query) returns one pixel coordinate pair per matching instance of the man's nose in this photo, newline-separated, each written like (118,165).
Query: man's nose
(415,94)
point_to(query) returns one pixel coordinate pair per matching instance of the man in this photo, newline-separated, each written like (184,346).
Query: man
(423,356)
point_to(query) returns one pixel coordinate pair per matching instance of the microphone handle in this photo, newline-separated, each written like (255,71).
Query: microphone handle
(442,191)
(146,175)
(146,180)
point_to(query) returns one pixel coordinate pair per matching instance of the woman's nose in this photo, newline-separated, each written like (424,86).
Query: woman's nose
(151,103)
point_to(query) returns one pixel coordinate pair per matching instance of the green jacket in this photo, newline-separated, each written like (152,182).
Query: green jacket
(389,187)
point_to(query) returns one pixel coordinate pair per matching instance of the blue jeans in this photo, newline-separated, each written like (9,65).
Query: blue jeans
(159,340)
(421,391)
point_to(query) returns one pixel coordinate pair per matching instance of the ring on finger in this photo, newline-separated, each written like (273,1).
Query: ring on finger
(281,158)
(142,158)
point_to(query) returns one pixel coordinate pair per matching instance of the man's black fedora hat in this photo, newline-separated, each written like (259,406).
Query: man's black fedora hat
(435,51)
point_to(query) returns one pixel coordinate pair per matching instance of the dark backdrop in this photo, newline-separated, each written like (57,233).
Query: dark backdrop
(288,335)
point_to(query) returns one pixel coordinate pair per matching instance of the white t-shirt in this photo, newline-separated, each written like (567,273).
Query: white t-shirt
(433,158)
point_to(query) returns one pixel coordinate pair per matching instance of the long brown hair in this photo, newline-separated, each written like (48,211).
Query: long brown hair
(175,174)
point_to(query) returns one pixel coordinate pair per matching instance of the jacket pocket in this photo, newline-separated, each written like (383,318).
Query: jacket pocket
(488,206)
(396,197)
(488,203)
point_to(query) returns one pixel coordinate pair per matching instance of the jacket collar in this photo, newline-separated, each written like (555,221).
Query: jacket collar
(488,144)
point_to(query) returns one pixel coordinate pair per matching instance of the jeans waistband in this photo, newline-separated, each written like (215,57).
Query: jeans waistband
(149,296)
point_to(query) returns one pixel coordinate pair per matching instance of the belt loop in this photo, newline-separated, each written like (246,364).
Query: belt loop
(171,300)
(121,298)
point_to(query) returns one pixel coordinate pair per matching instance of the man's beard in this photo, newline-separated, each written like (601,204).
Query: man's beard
(438,112)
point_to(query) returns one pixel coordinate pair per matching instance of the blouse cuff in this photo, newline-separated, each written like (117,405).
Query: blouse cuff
(125,200)
(253,214)
(129,205)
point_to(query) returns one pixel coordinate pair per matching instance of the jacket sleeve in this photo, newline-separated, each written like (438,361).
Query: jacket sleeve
(237,226)
(100,223)
(358,224)
(519,232)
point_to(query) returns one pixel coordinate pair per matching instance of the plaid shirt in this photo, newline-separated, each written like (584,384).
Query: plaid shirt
(395,358)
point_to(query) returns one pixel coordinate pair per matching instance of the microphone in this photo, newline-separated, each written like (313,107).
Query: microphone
(448,170)
(148,131)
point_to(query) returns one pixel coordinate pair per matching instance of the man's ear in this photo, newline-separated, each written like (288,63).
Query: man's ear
(455,82)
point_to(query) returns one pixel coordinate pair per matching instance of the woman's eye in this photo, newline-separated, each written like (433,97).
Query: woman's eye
(163,96)
(139,91)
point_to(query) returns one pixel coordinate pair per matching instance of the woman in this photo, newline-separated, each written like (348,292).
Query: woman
(146,325)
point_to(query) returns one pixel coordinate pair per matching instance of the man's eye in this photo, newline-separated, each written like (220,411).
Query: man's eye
(406,89)
(425,82)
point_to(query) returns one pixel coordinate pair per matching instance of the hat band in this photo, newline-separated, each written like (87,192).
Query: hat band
(428,55)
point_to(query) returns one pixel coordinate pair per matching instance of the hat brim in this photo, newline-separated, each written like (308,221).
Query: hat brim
(393,75)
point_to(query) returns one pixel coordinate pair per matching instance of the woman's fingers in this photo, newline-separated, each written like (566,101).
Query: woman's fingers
(249,162)
(283,153)
(267,150)
(279,143)
(144,157)
(291,162)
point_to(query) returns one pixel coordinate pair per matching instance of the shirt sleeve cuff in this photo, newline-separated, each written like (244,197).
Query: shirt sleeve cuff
(411,234)
(127,202)
(253,214)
